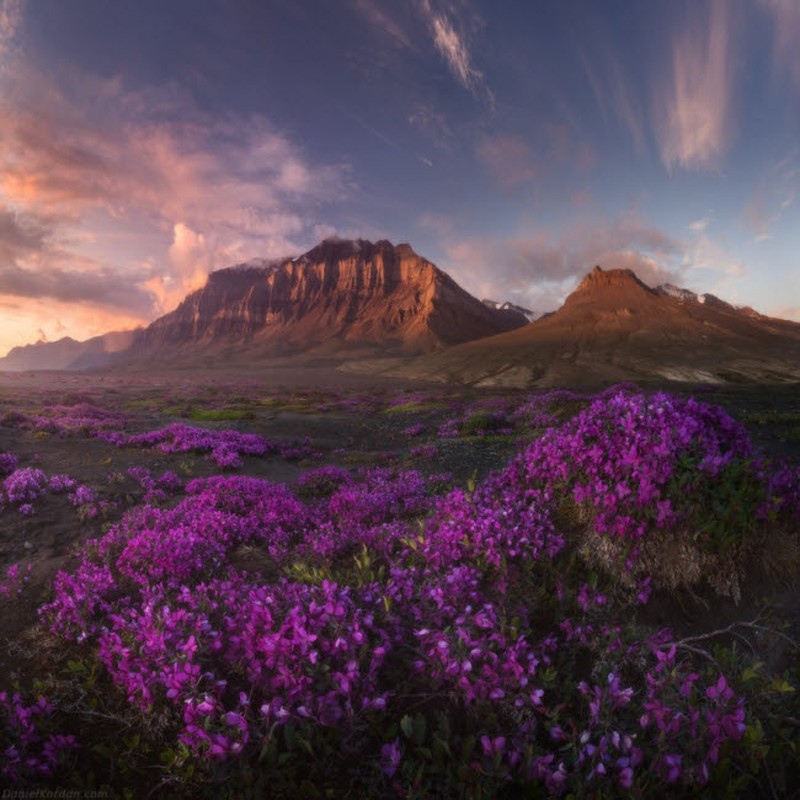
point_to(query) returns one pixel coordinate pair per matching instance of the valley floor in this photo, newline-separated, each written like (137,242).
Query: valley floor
(85,427)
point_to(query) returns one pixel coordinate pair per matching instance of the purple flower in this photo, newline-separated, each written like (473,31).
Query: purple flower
(391,755)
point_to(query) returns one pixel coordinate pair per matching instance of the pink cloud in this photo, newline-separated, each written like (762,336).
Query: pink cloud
(693,108)
(785,16)
(509,160)
(448,29)
(10,23)
(88,167)
(538,270)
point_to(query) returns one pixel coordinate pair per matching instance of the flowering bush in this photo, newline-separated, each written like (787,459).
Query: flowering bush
(417,429)
(156,488)
(225,447)
(635,464)
(322,481)
(28,749)
(8,463)
(450,645)
(25,485)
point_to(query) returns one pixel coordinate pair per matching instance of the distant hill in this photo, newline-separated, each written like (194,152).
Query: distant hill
(613,327)
(69,354)
(512,307)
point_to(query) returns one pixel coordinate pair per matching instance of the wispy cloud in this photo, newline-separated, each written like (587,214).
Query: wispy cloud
(775,192)
(10,22)
(509,160)
(614,94)
(693,107)
(99,285)
(699,225)
(785,16)
(452,42)
(381,19)
(705,253)
(538,270)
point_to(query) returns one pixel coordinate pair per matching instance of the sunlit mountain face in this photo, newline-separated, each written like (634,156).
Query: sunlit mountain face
(144,145)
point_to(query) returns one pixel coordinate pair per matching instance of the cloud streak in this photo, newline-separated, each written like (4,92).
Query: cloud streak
(693,110)
(380,19)
(615,96)
(785,15)
(451,41)
(775,192)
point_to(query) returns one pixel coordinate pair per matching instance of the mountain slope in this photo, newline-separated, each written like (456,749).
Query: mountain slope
(613,327)
(339,297)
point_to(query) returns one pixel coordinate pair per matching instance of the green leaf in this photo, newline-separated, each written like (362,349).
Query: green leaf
(306,745)
(103,749)
(420,729)
(752,672)
(407,726)
(290,736)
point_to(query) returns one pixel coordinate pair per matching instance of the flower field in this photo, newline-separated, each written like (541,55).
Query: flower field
(244,593)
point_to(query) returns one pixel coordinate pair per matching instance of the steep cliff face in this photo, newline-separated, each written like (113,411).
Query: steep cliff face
(340,292)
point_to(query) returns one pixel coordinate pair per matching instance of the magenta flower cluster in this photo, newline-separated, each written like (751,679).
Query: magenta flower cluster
(29,751)
(8,463)
(25,485)
(638,462)
(81,419)
(156,488)
(373,592)
(15,582)
(225,447)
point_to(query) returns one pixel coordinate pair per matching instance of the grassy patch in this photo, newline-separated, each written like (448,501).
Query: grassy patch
(413,407)
(219,414)
(771,417)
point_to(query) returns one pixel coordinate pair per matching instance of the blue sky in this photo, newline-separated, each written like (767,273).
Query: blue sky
(514,144)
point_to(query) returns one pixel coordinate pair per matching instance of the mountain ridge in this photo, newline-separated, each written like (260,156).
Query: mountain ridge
(377,307)
(613,327)
(340,297)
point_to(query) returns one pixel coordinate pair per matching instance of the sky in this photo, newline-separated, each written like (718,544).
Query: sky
(515,144)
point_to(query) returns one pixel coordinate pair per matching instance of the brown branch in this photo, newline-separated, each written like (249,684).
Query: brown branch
(731,629)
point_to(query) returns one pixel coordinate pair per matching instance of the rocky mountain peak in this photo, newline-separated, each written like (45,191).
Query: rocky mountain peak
(600,280)
(341,292)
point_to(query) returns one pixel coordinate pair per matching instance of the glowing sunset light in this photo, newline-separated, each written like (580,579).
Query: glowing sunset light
(514,145)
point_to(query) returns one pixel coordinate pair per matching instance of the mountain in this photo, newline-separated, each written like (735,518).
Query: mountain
(613,327)
(529,315)
(68,354)
(341,299)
